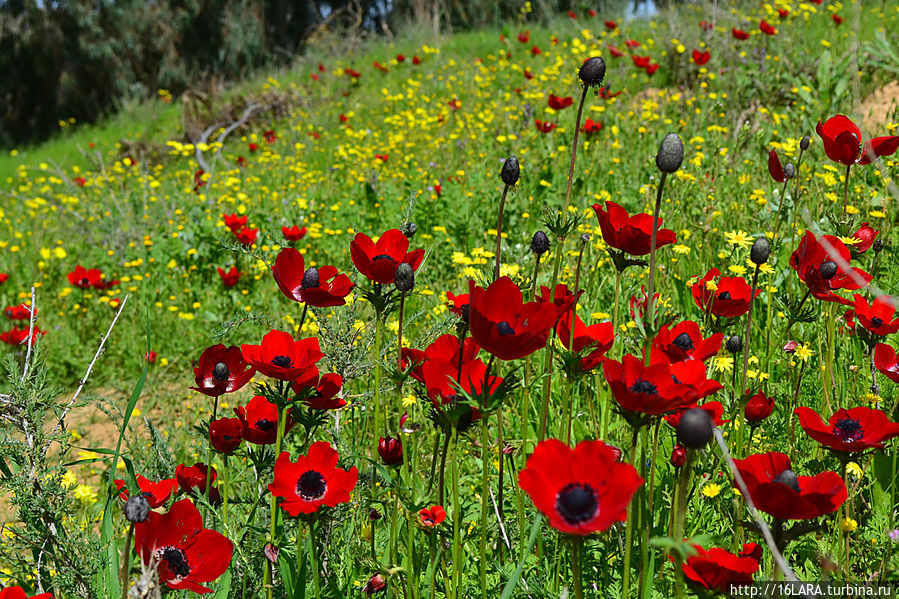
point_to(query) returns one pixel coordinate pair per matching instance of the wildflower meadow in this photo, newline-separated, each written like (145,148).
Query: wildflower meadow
(588,306)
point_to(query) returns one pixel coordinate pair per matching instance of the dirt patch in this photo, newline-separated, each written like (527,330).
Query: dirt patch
(880,108)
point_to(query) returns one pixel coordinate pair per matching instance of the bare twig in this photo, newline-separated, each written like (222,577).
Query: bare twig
(30,340)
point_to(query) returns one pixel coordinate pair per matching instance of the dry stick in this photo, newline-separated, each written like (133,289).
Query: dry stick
(30,337)
(62,418)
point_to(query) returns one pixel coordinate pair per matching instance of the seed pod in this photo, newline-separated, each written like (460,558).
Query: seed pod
(310,278)
(410,229)
(540,243)
(789,171)
(220,372)
(405,278)
(803,145)
(593,71)
(788,478)
(760,251)
(695,428)
(734,344)
(671,153)
(137,509)
(511,171)
(877,246)
(828,270)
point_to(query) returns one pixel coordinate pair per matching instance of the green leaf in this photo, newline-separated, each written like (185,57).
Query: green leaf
(532,539)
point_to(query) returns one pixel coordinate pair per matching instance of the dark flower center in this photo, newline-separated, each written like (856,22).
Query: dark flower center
(311,486)
(382,257)
(85,281)
(828,270)
(310,279)
(265,425)
(220,372)
(177,561)
(577,503)
(504,328)
(877,322)
(684,342)
(848,429)
(282,361)
(641,386)
(788,478)
(725,295)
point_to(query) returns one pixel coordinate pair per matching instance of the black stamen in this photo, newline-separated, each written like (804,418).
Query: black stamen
(577,503)
(311,486)
(282,361)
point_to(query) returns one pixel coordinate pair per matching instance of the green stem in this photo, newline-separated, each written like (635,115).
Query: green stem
(313,554)
(126,561)
(485,482)
(629,526)
(653,240)
(577,546)
(846,189)
(215,405)
(282,418)
(682,484)
(577,126)
(457,519)
(499,231)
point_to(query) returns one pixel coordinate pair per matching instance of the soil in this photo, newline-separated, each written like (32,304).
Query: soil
(879,108)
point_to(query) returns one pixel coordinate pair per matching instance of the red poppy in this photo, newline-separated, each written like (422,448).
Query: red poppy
(4,277)
(230,277)
(558,103)
(591,12)
(632,44)
(252,147)
(234,222)
(837,19)
(877,316)
(454,104)
(630,234)
(528,74)
(185,553)
(720,570)
(150,357)
(605,94)
(611,25)
(739,34)
(856,429)
(221,370)
(458,304)
(843,142)
(20,312)
(615,52)
(866,236)
(312,481)
(503,324)
(378,261)
(192,478)
(416,60)
(684,342)
(544,126)
(319,392)
(783,13)
(700,58)
(886,361)
(247,236)
(280,357)
(157,493)
(572,15)
(400,58)
(85,278)
(777,490)
(641,62)
(391,450)
(241,162)
(226,434)
(269,136)
(294,233)
(353,73)
(562,298)
(581,490)
(343,118)
(658,388)
(17,336)
(259,419)
(775,169)
(443,377)
(811,255)
(759,407)
(320,287)
(380,67)
(652,68)
(590,126)
(524,37)
(592,342)
(199,179)
(706,26)
(19,593)
(723,296)
(79,181)
(638,302)
(714,409)
(767,28)
(432,516)
(382,157)
(535,50)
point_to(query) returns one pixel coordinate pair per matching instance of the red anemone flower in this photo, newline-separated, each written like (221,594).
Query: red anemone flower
(837,19)
(562,298)
(767,28)
(17,336)
(877,316)
(269,136)
(611,25)
(378,261)
(85,278)
(630,234)
(313,481)
(720,570)
(684,342)
(807,260)
(700,58)
(390,450)
(886,361)
(641,62)
(706,26)
(320,287)
(192,478)
(157,493)
(4,277)
(866,236)
(247,236)
(652,68)
(234,222)
(856,429)
(280,357)
(758,408)
(19,593)
(442,378)
(458,304)
(535,51)
(843,142)
(544,126)
(230,277)
(727,297)
(20,312)
(185,553)
(775,169)
(777,490)
(432,516)
(615,52)
(221,370)
(739,34)
(632,44)
(259,419)
(524,37)
(783,13)
(226,434)
(319,392)
(559,103)
(581,490)
(714,409)
(503,324)
(605,94)
(590,126)
(294,233)
(658,388)
(592,341)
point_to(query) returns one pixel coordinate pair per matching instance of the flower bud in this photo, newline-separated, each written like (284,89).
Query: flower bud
(828,270)
(734,344)
(789,170)
(803,145)
(671,153)
(137,509)
(374,515)
(788,478)
(410,229)
(310,278)
(695,428)
(760,251)
(404,278)
(375,584)
(759,407)
(390,450)
(678,456)
(585,238)
(540,243)
(593,71)
(866,235)
(877,246)
(511,171)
